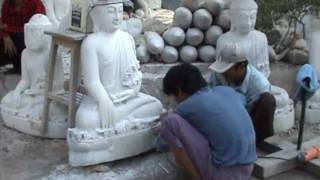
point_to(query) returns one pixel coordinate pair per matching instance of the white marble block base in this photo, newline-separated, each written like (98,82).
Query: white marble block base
(312,114)
(284,118)
(33,126)
(92,150)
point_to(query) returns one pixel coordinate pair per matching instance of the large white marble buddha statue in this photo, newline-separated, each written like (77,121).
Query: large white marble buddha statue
(22,108)
(114,120)
(243,20)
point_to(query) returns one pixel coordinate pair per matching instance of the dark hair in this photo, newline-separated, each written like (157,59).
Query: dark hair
(185,77)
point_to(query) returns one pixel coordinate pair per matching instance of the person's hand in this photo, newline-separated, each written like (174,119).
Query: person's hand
(3,26)
(106,111)
(9,47)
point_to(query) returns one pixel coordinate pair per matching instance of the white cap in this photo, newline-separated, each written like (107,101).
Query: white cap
(229,56)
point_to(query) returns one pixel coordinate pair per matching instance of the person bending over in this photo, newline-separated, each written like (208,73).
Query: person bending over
(210,132)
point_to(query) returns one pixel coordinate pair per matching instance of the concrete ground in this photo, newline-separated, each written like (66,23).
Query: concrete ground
(28,158)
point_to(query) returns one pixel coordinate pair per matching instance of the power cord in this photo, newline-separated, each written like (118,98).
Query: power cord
(271,157)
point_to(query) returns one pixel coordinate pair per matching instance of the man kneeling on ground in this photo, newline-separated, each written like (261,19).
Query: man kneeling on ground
(210,132)
(232,69)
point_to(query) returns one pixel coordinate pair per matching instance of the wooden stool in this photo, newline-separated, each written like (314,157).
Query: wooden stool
(72,40)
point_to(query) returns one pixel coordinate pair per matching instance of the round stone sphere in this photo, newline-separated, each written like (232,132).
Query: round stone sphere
(213,6)
(224,20)
(202,19)
(212,35)
(188,54)
(207,53)
(169,54)
(142,54)
(194,36)
(182,17)
(174,36)
(154,42)
(191,4)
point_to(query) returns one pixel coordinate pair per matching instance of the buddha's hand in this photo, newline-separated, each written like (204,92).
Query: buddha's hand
(16,98)
(127,94)
(9,47)
(106,110)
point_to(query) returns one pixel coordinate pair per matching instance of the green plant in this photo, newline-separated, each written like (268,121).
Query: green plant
(295,10)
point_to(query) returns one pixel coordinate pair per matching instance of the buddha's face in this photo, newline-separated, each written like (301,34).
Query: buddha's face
(108,17)
(244,21)
(34,38)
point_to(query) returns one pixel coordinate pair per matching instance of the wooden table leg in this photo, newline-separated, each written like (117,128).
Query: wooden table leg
(74,82)
(50,78)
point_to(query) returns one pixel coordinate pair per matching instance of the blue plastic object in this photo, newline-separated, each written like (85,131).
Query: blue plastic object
(307,78)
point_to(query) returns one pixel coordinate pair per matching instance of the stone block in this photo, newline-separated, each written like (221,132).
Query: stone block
(270,166)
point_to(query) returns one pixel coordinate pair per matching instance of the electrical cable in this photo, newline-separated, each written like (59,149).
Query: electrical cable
(272,157)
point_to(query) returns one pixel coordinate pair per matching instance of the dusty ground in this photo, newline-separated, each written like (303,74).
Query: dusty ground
(29,158)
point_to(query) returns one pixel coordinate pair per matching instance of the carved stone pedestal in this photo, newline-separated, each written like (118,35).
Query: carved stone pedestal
(25,124)
(88,148)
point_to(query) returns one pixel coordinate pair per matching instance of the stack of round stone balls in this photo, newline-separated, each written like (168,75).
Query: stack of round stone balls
(192,36)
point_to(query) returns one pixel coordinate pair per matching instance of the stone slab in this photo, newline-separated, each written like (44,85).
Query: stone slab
(313,167)
(265,168)
(279,142)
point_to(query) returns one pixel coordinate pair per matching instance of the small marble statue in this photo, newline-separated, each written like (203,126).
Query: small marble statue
(56,10)
(114,120)
(290,44)
(282,46)
(243,20)
(22,108)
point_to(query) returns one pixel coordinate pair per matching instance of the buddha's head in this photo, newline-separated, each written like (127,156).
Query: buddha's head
(243,16)
(107,15)
(34,38)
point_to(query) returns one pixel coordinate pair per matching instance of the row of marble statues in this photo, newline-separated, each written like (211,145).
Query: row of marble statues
(115,120)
